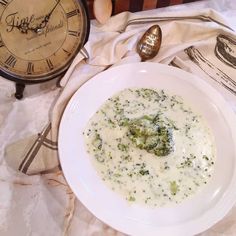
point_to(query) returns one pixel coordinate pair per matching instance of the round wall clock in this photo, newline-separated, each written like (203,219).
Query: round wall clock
(39,39)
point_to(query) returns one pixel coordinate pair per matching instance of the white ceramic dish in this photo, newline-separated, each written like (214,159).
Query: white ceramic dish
(188,218)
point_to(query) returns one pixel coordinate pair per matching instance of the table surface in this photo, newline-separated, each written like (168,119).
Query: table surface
(24,200)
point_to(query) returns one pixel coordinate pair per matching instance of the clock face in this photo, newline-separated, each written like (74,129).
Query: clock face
(39,39)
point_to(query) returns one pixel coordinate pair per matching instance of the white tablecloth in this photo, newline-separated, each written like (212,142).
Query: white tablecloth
(41,205)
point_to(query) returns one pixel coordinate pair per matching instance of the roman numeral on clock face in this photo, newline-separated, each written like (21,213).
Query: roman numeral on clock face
(3,2)
(11,61)
(74,33)
(30,68)
(68,53)
(50,65)
(72,13)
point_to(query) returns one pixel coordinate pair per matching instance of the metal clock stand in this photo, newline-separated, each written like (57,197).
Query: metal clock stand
(19,90)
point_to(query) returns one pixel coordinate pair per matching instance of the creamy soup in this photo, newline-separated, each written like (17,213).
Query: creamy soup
(150,146)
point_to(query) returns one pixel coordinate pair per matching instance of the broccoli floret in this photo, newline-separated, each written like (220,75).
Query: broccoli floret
(151,135)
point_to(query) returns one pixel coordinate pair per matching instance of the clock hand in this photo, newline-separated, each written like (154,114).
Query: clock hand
(50,13)
(44,22)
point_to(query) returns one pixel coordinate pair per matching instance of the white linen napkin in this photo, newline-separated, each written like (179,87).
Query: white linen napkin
(200,42)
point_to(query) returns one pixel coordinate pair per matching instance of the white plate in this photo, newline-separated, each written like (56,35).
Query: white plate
(193,215)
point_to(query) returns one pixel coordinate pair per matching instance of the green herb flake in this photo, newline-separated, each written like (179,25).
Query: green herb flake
(97,142)
(123,147)
(144,172)
(131,199)
(174,187)
(205,157)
